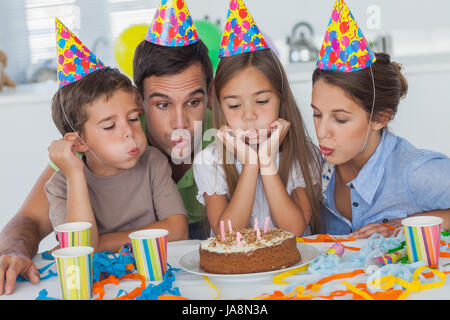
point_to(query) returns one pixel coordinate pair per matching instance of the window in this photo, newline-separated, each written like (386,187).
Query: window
(28,35)
(124,13)
(40,16)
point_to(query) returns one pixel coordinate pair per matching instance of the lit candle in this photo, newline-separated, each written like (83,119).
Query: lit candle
(238,238)
(266,225)
(255,225)
(230,229)
(222,230)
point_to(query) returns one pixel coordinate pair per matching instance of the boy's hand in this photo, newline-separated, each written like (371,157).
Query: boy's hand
(63,155)
(270,148)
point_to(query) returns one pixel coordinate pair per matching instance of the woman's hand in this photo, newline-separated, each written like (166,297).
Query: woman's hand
(269,148)
(385,229)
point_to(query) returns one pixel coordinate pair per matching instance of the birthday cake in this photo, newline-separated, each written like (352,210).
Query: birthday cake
(249,251)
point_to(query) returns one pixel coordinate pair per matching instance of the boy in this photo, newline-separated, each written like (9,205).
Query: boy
(120,184)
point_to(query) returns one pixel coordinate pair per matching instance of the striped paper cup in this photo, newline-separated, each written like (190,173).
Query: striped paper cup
(74,234)
(150,252)
(422,235)
(74,265)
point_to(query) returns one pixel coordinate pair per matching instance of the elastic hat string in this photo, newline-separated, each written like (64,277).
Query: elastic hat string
(70,124)
(371,112)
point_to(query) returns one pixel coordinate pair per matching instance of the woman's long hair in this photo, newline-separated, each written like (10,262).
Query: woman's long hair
(296,147)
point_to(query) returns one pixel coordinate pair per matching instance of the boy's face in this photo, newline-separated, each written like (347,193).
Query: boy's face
(113,132)
(173,104)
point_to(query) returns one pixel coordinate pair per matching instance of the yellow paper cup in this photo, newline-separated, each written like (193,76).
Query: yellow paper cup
(423,234)
(74,234)
(74,265)
(150,252)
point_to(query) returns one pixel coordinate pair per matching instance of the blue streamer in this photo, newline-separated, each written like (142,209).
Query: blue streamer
(109,263)
(41,271)
(43,295)
(47,256)
(326,265)
(152,292)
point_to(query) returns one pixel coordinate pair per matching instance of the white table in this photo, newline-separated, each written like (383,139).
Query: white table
(195,287)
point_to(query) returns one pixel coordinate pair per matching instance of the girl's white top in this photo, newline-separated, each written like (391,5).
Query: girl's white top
(210,179)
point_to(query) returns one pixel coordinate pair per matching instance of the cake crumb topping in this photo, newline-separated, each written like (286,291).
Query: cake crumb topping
(249,240)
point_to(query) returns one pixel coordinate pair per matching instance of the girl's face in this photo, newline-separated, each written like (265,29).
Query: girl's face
(249,103)
(113,132)
(341,124)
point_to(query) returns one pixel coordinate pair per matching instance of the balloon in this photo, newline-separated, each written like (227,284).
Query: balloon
(344,27)
(355,45)
(126,45)
(362,44)
(335,44)
(345,41)
(333,57)
(344,56)
(335,15)
(211,35)
(333,35)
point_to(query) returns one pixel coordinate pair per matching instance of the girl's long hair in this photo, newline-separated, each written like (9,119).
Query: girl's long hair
(296,147)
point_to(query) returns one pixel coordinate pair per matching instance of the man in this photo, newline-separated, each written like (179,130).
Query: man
(174,83)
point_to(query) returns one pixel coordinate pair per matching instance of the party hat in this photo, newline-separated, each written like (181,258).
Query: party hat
(344,48)
(172,25)
(75,60)
(241,33)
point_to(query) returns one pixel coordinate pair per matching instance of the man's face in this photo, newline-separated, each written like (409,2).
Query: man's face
(172,104)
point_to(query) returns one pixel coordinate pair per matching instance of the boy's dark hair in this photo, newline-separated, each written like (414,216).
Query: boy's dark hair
(156,60)
(75,96)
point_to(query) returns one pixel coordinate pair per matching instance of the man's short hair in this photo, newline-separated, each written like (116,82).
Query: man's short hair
(76,96)
(156,60)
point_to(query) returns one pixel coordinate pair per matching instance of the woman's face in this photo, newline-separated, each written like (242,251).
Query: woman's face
(250,103)
(341,124)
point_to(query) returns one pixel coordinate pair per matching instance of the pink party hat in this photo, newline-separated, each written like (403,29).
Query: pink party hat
(344,48)
(75,60)
(172,25)
(241,33)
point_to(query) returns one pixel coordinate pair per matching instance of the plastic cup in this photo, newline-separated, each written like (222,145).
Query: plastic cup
(74,265)
(150,252)
(74,234)
(423,234)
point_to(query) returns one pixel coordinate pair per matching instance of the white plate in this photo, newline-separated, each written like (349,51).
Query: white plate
(191,263)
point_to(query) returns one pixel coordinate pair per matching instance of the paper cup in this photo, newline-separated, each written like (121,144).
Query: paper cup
(423,234)
(74,234)
(150,252)
(74,265)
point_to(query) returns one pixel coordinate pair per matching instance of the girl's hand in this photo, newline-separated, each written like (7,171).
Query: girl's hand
(270,148)
(234,141)
(385,229)
(63,154)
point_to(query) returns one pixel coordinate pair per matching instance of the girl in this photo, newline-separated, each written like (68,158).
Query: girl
(372,178)
(252,106)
